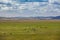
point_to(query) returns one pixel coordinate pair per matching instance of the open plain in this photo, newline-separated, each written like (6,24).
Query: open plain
(29,29)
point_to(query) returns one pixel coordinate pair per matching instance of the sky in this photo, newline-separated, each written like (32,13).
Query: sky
(29,8)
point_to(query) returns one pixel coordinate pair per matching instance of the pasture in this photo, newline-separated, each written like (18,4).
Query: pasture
(30,30)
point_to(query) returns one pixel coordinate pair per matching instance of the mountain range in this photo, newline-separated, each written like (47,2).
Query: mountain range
(26,18)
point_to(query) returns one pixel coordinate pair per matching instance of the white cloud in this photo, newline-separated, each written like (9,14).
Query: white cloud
(5,8)
(22,6)
(30,9)
(5,1)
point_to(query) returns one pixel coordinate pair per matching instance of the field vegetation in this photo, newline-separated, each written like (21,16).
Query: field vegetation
(30,30)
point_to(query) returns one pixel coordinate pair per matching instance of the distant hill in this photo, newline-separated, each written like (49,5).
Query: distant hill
(57,17)
(27,18)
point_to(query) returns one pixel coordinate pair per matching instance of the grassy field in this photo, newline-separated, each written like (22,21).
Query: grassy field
(30,30)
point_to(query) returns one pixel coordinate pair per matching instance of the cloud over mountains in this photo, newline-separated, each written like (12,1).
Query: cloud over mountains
(10,8)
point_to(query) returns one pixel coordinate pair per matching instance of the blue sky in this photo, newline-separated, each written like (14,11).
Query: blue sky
(26,8)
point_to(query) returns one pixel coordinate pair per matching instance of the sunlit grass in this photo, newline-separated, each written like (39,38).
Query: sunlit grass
(42,30)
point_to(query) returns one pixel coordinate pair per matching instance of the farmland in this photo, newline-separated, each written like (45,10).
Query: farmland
(30,30)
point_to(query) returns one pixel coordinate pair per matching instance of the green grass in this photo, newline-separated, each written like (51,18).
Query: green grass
(42,30)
